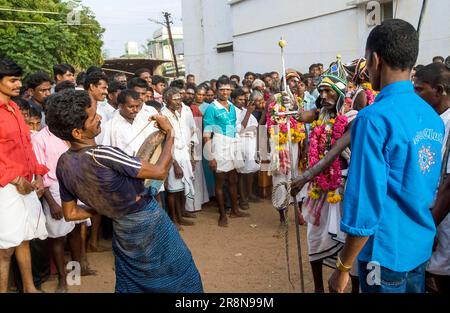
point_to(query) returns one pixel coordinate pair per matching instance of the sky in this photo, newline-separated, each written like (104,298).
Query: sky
(127,20)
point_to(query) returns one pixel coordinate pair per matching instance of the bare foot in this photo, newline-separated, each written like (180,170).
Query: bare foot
(253,198)
(188,215)
(33,290)
(185,222)
(62,287)
(244,206)
(238,213)
(96,249)
(86,271)
(223,221)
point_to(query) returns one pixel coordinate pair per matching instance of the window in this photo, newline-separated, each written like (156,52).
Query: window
(224,47)
(387,11)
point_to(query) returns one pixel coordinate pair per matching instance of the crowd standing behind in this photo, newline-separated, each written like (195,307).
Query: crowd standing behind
(230,144)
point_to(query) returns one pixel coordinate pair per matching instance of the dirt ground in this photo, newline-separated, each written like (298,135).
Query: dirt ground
(248,256)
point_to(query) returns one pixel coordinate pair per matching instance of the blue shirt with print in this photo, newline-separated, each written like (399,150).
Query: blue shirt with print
(394,171)
(219,120)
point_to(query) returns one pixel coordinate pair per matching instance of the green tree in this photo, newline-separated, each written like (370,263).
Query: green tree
(44,36)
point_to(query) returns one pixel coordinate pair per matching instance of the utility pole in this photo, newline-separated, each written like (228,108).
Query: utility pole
(167,16)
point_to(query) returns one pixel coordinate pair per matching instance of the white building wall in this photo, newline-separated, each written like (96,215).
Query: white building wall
(306,44)
(315,31)
(207,23)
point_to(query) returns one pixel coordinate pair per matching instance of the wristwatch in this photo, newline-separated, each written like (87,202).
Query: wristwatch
(341,267)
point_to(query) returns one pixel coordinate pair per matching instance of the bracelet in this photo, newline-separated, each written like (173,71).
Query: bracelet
(307,174)
(341,267)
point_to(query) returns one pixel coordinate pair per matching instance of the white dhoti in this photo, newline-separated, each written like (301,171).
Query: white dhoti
(325,239)
(227,153)
(21,217)
(56,228)
(200,188)
(248,146)
(281,195)
(185,184)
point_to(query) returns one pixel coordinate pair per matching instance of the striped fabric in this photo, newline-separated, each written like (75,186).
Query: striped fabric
(150,254)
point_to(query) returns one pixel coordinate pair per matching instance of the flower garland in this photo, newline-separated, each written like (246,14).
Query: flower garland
(278,128)
(370,93)
(323,136)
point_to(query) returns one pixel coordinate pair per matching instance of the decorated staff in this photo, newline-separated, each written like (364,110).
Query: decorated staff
(282,118)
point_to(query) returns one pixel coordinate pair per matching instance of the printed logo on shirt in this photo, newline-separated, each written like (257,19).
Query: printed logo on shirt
(426,159)
(428,134)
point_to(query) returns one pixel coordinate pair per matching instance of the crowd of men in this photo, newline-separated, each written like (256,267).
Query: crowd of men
(71,156)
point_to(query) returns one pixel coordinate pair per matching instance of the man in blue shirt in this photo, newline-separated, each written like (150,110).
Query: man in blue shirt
(394,171)
(222,148)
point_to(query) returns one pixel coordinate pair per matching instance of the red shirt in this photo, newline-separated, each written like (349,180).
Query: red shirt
(198,116)
(17,157)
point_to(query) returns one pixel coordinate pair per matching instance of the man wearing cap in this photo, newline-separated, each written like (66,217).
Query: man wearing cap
(322,206)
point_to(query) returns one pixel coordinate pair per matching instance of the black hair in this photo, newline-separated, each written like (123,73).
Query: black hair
(94,78)
(114,86)
(201,87)
(177,83)
(237,93)
(93,69)
(312,66)
(190,75)
(32,112)
(23,89)
(120,74)
(22,103)
(435,74)
(140,71)
(248,74)
(397,43)
(319,64)
(61,69)
(9,67)
(127,93)
(158,79)
(150,89)
(137,82)
(36,79)
(155,104)
(235,76)
(66,111)
(81,77)
(64,85)
(223,80)
(234,84)
(190,86)
(274,72)
(418,67)
(438,57)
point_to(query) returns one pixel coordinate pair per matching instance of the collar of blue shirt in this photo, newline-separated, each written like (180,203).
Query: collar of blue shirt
(403,86)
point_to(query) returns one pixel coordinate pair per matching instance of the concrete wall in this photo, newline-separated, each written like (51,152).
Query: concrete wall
(207,23)
(315,31)
(306,43)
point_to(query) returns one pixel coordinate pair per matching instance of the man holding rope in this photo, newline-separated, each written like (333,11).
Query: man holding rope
(150,255)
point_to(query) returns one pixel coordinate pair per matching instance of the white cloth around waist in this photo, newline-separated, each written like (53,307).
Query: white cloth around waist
(21,217)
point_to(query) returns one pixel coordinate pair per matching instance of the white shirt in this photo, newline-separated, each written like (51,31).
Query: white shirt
(106,111)
(439,263)
(252,124)
(122,134)
(182,143)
